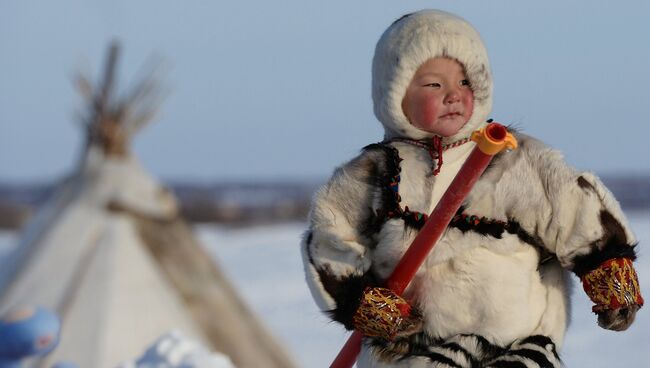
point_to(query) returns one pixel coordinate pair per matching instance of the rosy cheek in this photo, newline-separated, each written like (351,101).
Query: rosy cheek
(428,109)
(468,101)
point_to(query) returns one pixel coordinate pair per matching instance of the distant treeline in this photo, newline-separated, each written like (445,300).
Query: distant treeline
(236,203)
(246,203)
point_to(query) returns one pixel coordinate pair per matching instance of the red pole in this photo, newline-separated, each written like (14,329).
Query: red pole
(491,140)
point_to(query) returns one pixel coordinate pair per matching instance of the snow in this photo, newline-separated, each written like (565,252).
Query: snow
(264,263)
(176,350)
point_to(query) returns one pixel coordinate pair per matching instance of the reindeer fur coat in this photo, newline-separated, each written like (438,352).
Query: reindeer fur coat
(495,284)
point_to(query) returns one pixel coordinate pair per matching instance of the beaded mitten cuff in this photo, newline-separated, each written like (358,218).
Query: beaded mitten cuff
(614,284)
(382,313)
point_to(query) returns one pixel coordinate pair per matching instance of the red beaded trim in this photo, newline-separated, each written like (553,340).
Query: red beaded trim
(435,148)
(414,217)
(475,220)
(427,146)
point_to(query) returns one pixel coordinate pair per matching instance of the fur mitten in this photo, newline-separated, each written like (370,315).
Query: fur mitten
(614,288)
(382,313)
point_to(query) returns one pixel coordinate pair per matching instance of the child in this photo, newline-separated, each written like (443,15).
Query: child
(494,291)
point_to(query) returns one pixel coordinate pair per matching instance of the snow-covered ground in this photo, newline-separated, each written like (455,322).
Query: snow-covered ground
(264,264)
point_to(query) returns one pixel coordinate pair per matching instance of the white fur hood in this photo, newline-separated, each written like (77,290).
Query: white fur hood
(407,44)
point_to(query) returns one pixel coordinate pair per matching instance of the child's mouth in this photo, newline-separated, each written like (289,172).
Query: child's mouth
(450,115)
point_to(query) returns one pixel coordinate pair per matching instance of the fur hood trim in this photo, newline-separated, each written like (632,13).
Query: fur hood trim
(407,44)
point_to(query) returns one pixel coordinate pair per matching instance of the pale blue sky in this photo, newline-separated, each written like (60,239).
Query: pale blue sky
(281,89)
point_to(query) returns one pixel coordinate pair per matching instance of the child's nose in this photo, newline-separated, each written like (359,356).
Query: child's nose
(452,97)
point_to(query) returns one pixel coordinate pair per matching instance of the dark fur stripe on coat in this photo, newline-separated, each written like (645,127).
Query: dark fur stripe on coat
(469,351)
(346,291)
(613,244)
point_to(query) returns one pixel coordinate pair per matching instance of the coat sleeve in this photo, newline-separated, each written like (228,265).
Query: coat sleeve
(335,248)
(584,225)
(575,217)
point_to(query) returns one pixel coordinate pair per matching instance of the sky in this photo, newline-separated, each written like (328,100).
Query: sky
(278,90)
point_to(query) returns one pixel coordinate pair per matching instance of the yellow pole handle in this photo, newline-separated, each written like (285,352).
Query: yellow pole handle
(493,139)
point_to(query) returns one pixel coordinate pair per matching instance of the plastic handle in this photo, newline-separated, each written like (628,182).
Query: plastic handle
(493,139)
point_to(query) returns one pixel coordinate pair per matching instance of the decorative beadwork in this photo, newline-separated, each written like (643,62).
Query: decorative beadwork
(434,148)
(612,285)
(426,145)
(474,220)
(414,218)
(380,313)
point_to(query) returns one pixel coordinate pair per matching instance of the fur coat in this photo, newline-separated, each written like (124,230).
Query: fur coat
(497,281)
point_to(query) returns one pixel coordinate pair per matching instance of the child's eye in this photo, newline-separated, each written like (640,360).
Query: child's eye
(464,82)
(434,85)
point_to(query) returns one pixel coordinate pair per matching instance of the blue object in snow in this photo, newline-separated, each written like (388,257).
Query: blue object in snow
(65,365)
(27,332)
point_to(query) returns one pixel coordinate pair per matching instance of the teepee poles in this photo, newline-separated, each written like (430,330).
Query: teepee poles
(491,140)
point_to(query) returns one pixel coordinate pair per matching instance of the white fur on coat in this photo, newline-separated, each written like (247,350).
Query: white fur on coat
(470,283)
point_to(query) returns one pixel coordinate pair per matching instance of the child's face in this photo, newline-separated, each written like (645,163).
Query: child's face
(439,99)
